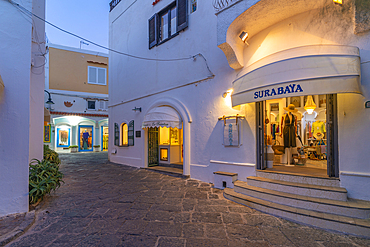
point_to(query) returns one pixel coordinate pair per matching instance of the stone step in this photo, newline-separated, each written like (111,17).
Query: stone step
(333,193)
(168,171)
(173,165)
(352,208)
(360,227)
(299,178)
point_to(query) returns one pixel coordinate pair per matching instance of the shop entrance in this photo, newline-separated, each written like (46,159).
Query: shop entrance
(104,138)
(165,147)
(298,134)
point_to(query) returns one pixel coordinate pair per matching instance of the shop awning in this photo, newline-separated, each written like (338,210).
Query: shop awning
(1,83)
(307,70)
(46,115)
(162,116)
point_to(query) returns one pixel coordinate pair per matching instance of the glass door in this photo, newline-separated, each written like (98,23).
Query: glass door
(86,138)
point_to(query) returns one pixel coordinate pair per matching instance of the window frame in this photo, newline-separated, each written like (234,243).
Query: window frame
(87,105)
(121,144)
(154,23)
(97,76)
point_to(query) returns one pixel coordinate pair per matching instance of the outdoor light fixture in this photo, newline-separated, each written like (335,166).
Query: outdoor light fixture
(137,109)
(338,1)
(243,36)
(50,102)
(310,106)
(224,95)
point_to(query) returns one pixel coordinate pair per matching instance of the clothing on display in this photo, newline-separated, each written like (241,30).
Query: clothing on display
(289,135)
(318,127)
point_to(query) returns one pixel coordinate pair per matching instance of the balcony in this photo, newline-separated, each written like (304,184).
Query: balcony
(113,4)
(220,5)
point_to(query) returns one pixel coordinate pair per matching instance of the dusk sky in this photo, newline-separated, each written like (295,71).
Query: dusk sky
(88,19)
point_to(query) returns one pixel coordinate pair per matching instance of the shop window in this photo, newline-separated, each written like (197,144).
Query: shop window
(164,154)
(63,137)
(169,136)
(124,134)
(131,133)
(86,138)
(168,22)
(97,75)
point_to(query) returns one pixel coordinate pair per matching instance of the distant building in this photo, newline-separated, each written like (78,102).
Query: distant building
(223,89)
(21,99)
(77,81)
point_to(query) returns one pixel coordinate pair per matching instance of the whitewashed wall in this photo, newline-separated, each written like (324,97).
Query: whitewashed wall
(17,121)
(131,79)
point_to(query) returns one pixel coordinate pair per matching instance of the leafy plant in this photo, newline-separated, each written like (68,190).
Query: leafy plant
(44,175)
(96,146)
(51,155)
(73,146)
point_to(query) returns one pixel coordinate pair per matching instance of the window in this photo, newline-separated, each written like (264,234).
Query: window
(97,75)
(124,135)
(193,6)
(168,22)
(91,105)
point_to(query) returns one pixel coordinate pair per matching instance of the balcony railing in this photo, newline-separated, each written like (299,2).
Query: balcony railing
(113,4)
(223,4)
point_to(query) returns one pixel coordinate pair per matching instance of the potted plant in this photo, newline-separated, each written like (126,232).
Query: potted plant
(73,148)
(96,148)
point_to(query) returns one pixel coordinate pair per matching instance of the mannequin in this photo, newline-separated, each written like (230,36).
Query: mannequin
(289,130)
(85,136)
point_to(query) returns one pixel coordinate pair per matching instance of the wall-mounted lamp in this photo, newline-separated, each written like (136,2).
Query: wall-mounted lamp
(224,95)
(49,102)
(338,1)
(137,109)
(243,36)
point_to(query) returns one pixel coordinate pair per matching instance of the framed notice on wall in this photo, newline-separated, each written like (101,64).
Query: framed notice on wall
(231,133)
(47,129)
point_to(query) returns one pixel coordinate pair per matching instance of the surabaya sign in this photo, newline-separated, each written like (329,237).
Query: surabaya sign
(291,88)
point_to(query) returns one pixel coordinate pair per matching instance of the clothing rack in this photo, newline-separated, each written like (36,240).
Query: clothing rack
(237,116)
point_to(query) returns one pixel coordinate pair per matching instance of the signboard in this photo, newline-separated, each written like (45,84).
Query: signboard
(47,133)
(231,133)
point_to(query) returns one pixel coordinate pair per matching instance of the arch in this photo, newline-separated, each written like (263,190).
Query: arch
(186,120)
(253,17)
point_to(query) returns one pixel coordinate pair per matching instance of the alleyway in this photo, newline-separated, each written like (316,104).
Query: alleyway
(105,204)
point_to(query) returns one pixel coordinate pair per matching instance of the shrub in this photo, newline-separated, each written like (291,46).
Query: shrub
(44,175)
(73,146)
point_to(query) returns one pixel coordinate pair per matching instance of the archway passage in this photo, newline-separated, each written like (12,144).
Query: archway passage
(165,139)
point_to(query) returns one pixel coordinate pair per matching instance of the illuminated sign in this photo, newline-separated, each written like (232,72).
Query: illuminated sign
(291,88)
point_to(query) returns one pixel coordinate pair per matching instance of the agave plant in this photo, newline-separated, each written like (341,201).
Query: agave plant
(44,176)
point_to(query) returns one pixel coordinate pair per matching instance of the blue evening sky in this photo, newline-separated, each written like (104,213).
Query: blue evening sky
(88,19)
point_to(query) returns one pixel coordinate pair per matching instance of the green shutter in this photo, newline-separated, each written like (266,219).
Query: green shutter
(116,134)
(131,133)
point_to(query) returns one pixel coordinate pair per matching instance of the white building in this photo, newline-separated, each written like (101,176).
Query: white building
(77,83)
(221,76)
(22,58)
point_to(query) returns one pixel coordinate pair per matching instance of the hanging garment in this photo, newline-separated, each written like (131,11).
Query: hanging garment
(289,131)
(309,130)
(318,127)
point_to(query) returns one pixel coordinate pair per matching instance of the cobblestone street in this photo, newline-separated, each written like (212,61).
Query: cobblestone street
(106,204)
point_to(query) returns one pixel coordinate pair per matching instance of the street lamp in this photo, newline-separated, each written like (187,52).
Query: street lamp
(49,102)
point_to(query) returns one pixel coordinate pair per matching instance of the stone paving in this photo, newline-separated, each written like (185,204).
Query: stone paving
(106,204)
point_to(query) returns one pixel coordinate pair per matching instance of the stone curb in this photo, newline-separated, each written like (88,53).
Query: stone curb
(28,221)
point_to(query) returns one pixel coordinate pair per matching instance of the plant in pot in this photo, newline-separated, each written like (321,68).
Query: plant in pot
(73,148)
(96,148)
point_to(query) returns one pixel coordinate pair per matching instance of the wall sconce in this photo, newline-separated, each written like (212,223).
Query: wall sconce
(338,1)
(224,95)
(49,101)
(243,36)
(310,106)
(137,109)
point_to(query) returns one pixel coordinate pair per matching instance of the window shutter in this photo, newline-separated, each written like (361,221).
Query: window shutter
(131,133)
(92,75)
(182,14)
(101,76)
(153,36)
(116,134)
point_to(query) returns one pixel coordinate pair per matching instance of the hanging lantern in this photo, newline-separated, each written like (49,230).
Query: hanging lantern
(310,106)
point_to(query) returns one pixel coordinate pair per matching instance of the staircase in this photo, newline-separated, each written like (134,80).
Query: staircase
(314,201)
